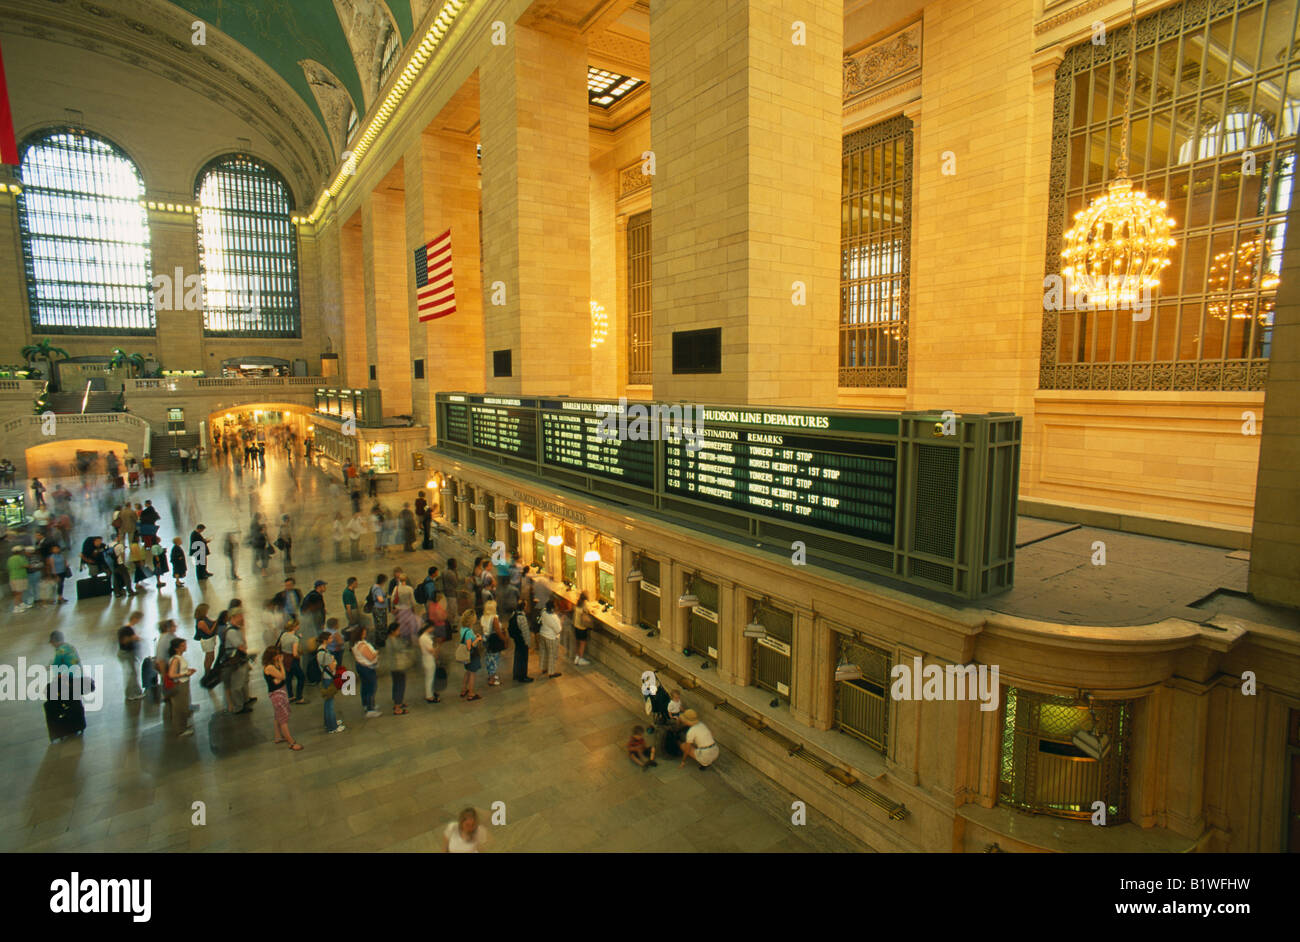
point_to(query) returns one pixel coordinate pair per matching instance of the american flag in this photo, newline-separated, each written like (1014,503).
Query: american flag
(435,295)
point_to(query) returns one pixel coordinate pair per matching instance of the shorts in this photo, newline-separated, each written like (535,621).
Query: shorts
(208,644)
(474,665)
(581,633)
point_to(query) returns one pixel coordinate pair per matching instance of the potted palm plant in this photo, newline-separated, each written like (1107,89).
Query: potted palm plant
(133,362)
(46,351)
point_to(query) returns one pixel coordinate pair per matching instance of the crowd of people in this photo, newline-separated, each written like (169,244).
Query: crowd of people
(448,627)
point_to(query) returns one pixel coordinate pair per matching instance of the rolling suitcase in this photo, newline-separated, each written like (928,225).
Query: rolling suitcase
(64,718)
(671,743)
(93,588)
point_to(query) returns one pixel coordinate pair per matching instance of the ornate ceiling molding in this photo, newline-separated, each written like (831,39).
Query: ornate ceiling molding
(156,36)
(889,61)
(368,26)
(333,99)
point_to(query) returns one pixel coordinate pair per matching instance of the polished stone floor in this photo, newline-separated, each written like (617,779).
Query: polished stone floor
(551,751)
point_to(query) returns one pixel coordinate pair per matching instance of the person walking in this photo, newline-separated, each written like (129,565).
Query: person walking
(406,524)
(494,636)
(581,629)
(56,565)
(231,547)
(429,657)
(312,612)
(450,588)
(199,550)
(284,543)
(176,688)
(351,611)
(367,658)
(338,530)
(274,673)
(38,492)
(180,563)
(146,465)
(356,528)
(464,835)
(469,652)
(549,637)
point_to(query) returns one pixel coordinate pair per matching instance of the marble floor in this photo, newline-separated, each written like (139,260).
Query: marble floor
(550,751)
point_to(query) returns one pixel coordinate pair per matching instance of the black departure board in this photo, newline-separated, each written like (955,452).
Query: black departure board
(571,439)
(456,428)
(843,485)
(503,429)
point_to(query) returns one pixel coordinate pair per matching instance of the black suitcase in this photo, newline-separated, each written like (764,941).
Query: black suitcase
(64,718)
(671,743)
(94,588)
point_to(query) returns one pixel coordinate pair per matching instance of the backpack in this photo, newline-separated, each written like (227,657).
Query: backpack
(422,593)
(314,675)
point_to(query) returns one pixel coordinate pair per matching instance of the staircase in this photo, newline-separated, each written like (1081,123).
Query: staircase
(163,444)
(66,403)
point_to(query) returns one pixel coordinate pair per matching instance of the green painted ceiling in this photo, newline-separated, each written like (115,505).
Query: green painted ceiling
(283,32)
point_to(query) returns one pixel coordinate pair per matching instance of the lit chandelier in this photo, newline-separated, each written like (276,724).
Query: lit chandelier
(599,324)
(1120,244)
(1225,278)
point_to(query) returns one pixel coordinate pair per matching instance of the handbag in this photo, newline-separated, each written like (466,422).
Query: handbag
(494,643)
(462,653)
(403,659)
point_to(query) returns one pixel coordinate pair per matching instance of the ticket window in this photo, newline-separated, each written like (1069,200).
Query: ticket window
(648,592)
(771,654)
(604,572)
(512,529)
(702,621)
(539,540)
(453,503)
(569,555)
(467,507)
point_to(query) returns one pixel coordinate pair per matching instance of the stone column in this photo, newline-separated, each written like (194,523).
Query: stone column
(442,193)
(353,370)
(1274,559)
(536,205)
(746,132)
(388,330)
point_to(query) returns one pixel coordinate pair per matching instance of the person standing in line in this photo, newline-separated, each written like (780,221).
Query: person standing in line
(329,668)
(146,465)
(472,644)
(199,550)
(290,645)
(581,629)
(494,636)
(205,633)
(522,638)
(184,455)
(236,670)
(273,672)
(17,565)
(367,658)
(350,609)
(137,557)
(161,657)
(356,527)
(423,515)
(377,599)
(451,586)
(180,562)
(337,532)
(429,658)
(176,687)
(464,835)
(550,639)
(128,653)
(158,560)
(121,575)
(402,654)
(313,609)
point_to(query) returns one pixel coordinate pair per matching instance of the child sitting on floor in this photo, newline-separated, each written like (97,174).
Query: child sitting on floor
(640,752)
(674,707)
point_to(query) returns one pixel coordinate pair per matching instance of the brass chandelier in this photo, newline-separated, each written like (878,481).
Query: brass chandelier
(1120,244)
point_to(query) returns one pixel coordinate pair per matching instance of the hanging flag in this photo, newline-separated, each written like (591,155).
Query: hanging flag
(435,294)
(8,147)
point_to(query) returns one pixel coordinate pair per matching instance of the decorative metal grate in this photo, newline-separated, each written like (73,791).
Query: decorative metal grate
(875,254)
(937,468)
(862,706)
(1216,109)
(638,299)
(701,630)
(247,250)
(772,656)
(85,236)
(1044,772)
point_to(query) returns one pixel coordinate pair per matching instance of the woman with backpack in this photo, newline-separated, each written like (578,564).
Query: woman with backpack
(367,658)
(276,683)
(205,633)
(494,635)
(330,681)
(469,648)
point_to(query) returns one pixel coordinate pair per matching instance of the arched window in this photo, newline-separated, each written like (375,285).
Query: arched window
(85,236)
(247,252)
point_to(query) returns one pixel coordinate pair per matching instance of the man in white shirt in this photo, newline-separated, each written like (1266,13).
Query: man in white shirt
(700,744)
(356,527)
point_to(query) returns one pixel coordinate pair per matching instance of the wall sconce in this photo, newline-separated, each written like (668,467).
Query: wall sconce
(591,556)
(755,628)
(634,574)
(430,484)
(555,540)
(499,516)
(688,598)
(478,506)
(526,528)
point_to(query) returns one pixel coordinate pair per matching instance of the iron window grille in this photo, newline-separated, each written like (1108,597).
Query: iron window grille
(639,305)
(85,236)
(862,704)
(875,254)
(248,252)
(1043,771)
(1217,86)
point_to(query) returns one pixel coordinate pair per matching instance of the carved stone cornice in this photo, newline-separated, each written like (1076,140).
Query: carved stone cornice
(632,180)
(155,36)
(887,62)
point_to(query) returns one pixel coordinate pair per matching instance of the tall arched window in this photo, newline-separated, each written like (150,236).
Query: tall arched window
(85,236)
(247,252)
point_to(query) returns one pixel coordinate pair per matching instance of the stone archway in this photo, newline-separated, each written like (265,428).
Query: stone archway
(31,432)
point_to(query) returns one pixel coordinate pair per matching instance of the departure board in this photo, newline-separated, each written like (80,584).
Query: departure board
(503,429)
(571,439)
(843,485)
(456,427)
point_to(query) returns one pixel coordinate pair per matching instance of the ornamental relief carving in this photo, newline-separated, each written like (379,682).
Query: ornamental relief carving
(887,60)
(631,179)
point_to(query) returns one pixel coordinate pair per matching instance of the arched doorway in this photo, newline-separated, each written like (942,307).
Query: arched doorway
(67,457)
(275,424)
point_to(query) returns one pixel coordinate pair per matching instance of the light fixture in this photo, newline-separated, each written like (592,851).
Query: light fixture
(688,598)
(1120,244)
(591,556)
(846,671)
(755,628)
(1225,279)
(555,540)
(430,484)
(599,324)
(526,527)
(1088,741)
(499,516)
(478,506)
(634,575)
